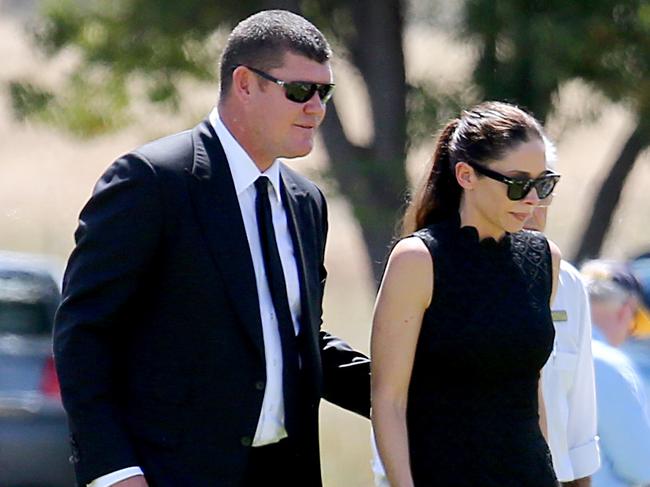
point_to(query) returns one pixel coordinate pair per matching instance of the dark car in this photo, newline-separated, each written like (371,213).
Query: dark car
(34,449)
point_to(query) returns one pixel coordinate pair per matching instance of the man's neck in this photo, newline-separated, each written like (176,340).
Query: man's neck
(236,123)
(604,334)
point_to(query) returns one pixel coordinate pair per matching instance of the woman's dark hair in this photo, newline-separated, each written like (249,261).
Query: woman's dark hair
(261,41)
(482,134)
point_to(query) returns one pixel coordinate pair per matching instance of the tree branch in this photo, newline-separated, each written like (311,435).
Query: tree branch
(607,198)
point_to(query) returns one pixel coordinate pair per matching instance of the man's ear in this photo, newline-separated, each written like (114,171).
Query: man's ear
(626,313)
(241,83)
(465,175)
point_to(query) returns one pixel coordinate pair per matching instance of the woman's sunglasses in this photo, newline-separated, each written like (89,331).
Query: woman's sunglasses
(298,91)
(519,188)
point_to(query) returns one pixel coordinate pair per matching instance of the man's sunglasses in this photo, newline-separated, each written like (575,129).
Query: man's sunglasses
(519,188)
(298,91)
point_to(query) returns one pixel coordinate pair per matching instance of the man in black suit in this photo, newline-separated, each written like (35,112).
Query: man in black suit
(188,342)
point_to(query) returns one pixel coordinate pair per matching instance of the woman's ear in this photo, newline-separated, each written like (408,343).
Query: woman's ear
(465,175)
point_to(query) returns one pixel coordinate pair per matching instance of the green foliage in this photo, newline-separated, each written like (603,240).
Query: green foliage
(428,108)
(89,104)
(139,35)
(528,48)
(154,42)
(27,99)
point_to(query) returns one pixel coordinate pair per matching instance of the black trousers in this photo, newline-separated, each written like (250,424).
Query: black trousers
(276,464)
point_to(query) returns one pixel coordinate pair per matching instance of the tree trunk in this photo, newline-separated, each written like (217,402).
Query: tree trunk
(376,214)
(373,178)
(607,198)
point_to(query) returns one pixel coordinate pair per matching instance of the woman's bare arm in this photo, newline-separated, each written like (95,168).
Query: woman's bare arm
(404,295)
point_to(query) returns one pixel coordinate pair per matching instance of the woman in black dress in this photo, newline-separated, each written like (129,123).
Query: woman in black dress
(462,323)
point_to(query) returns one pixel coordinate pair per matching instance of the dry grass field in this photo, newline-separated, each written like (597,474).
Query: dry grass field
(46,176)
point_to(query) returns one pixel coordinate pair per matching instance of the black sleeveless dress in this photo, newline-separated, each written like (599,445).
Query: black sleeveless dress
(472,410)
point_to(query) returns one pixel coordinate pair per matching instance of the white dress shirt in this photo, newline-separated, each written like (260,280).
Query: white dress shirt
(568,382)
(270,426)
(567,385)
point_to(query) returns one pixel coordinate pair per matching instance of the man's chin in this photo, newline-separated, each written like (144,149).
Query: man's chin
(298,153)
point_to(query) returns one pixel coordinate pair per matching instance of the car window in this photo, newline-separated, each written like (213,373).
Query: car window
(27,303)
(24,318)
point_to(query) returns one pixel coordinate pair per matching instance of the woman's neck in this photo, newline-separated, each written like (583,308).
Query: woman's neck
(471,217)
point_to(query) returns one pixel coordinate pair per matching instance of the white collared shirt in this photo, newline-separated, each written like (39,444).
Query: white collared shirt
(568,382)
(270,426)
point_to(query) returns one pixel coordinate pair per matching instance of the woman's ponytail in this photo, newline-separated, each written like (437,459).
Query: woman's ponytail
(438,197)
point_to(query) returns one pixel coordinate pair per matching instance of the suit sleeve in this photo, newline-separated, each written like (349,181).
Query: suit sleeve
(116,241)
(346,372)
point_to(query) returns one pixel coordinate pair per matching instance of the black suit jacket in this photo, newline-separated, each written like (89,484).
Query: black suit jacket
(158,340)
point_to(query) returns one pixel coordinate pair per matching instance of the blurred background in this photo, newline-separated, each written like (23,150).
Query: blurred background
(83,81)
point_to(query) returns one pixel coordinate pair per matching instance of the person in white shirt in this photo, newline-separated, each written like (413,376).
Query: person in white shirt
(568,377)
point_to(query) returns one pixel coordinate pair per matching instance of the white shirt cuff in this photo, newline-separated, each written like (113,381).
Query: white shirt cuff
(378,470)
(585,459)
(115,477)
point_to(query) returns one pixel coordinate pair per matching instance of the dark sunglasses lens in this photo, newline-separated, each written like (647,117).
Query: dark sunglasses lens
(545,187)
(302,92)
(325,92)
(517,190)
(299,92)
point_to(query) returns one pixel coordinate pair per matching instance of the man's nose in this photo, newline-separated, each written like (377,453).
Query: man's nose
(315,106)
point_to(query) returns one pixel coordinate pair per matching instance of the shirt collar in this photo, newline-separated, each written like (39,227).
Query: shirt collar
(243,169)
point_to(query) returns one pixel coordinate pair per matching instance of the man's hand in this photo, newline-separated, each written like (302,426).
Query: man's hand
(137,481)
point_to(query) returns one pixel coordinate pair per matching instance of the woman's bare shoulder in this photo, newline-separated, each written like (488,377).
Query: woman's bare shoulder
(410,268)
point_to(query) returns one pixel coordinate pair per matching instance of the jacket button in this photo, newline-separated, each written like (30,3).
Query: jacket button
(246,441)
(259,385)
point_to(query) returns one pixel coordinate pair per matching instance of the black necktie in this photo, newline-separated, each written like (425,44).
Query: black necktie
(278,289)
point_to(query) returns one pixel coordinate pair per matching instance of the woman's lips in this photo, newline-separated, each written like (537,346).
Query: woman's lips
(522,217)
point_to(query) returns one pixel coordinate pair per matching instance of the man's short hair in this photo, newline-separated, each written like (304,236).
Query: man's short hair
(262,40)
(609,281)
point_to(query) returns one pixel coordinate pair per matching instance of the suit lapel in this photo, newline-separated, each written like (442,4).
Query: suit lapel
(215,200)
(301,227)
